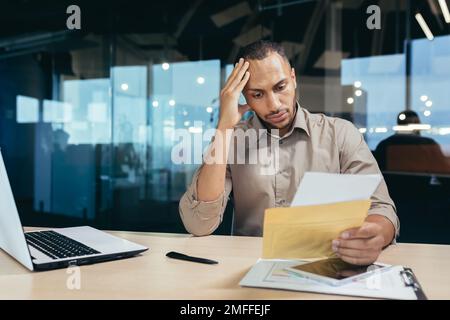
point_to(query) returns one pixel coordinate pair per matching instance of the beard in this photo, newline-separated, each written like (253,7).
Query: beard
(285,124)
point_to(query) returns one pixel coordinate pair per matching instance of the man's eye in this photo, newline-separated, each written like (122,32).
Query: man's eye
(257,95)
(281,87)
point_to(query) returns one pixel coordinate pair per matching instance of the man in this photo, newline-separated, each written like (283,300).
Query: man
(408,151)
(307,143)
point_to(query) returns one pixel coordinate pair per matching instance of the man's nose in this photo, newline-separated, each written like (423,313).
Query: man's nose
(274,103)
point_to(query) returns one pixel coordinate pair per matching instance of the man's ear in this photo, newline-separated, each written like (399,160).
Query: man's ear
(294,78)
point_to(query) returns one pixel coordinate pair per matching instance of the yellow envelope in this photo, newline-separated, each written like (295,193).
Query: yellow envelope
(307,231)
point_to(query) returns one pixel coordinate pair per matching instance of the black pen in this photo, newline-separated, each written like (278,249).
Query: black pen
(180,256)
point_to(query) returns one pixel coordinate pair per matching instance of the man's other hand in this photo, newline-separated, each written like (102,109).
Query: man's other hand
(360,246)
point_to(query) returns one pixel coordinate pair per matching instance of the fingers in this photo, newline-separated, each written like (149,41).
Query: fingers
(361,261)
(244,81)
(236,68)
(349,233)
(355,253)
(233,74)
(374,243)
(367,230)
(350,244)
(358,251)
(236,75)
(238,79)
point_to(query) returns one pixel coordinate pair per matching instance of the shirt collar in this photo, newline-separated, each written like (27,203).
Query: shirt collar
(300,119)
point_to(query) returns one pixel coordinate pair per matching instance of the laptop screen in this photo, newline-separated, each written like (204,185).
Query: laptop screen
(12,238)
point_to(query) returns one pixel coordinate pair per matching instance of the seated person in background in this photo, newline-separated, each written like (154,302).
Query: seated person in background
(409,151)
(307,142)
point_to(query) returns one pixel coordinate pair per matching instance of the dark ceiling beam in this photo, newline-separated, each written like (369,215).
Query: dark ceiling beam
(310,35)
(186,18)
(281,5)
(131,47)
(30,43)
(249,23)
(436,13)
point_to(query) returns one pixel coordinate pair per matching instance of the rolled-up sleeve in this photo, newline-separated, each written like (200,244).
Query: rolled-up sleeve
(356,158)
(202,218)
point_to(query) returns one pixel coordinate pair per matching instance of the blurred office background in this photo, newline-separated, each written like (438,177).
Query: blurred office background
(87,117)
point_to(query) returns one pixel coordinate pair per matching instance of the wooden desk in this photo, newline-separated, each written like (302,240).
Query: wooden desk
(153,276)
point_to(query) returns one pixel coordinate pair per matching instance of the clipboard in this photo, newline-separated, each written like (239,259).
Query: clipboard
(409,278)
(397,282)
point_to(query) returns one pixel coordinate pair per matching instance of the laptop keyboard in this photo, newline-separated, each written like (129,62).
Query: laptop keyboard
(57,246)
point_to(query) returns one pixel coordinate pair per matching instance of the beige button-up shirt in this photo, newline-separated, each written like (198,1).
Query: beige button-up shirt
(315,143)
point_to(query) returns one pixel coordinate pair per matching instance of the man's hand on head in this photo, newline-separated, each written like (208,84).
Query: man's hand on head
(363,245)
(230,110)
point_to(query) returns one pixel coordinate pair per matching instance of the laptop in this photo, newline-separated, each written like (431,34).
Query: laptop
(55,248)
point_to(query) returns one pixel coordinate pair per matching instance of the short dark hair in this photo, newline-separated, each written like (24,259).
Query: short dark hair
(261,49)
(410,117)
